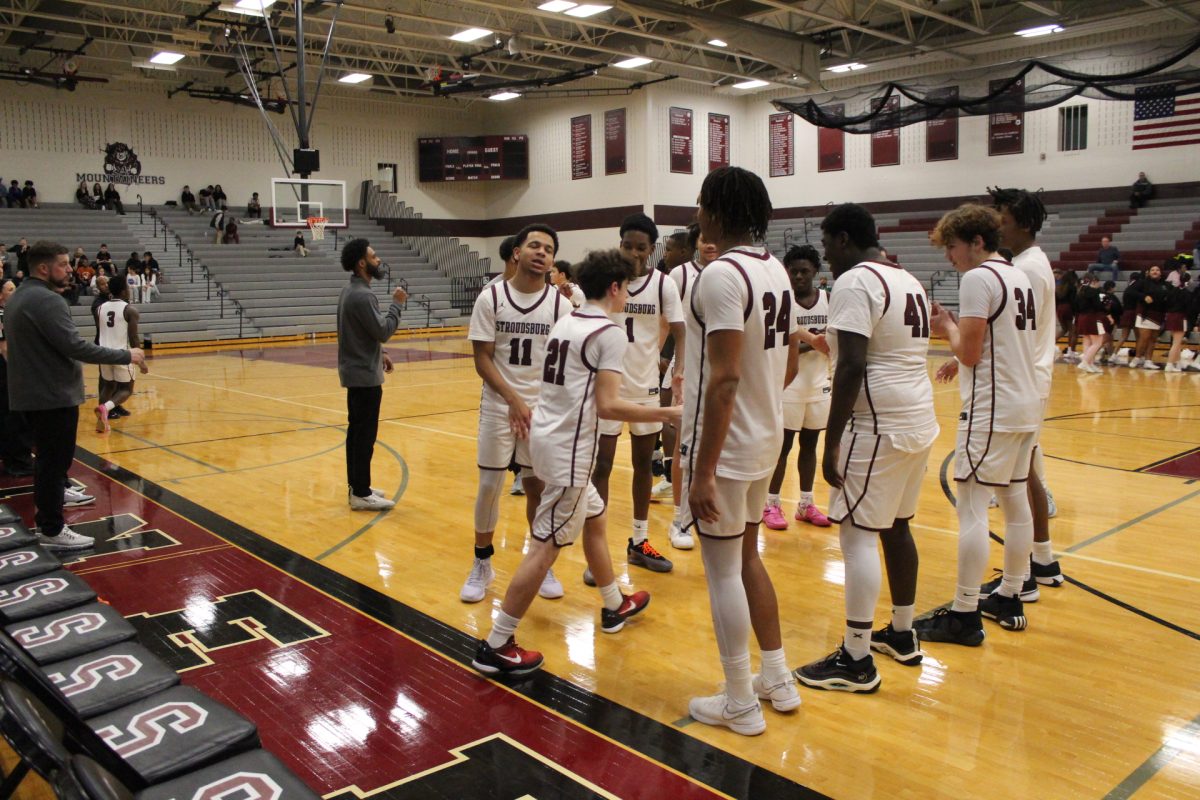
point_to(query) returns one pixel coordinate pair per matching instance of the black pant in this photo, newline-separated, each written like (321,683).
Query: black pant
(54,436)
(16,446)
(362,407)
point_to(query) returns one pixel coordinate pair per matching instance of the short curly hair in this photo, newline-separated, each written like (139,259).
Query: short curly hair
(965,223)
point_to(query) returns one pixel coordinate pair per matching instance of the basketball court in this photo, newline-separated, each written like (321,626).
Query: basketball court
(224,528)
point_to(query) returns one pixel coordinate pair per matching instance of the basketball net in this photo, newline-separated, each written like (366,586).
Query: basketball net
(317,226)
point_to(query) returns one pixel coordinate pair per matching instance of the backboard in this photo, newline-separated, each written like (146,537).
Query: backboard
(294,200)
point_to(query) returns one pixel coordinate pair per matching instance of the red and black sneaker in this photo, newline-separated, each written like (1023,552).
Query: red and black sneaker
(632,605)
(508,659)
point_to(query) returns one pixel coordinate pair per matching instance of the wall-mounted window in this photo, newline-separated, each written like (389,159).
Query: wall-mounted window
(1072,128)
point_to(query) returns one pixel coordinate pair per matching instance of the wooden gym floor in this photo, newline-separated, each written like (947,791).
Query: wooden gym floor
(1098,699)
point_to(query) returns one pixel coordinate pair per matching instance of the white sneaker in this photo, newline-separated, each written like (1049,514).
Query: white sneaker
(517,488)
(371,502)
(75,497)
(378,492)
(551,588)
(480,578)
(1148,364)
(67,539)
(718,709)
(1051,507)
(1133,363)
(661,490)
(993,503)
(783,696)
(1173,368)
(680,539)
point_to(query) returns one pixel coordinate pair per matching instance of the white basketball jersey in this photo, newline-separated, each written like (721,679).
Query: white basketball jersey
(562,439)
(1000,392)
(1036,266)
(887,305)
(747,290)
(519,325)
(812,380)
(114,328)
(651,298)
(684,277)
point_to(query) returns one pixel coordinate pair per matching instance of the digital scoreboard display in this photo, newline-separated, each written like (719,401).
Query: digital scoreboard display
(473,158)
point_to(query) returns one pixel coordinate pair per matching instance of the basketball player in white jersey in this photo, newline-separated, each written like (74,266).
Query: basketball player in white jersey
(652,304)
(510,324)
(994,340)
(806,398)
(581,380)
(684,276)
(739,325)
(1021,217)
(118,329)
(878,340)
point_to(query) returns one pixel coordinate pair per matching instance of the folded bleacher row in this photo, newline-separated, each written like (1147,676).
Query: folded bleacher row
(95,713)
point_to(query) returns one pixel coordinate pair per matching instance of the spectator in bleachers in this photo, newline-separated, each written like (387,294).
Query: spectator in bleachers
(1151,316)
(231,232)
(16,445)
(1177,274)
(1108,258)
(83,196)
(218,196)
(133,262)
(1143,190)
(29,195)
(206,201)
(22,252)
(14,196)
(133,279)
(112,199)
(298,245)
(103,260)
(98,195)
(254,208)
(6,262)
(188,200)
(1066,286)
(217,223)
(150,263)
(823,285)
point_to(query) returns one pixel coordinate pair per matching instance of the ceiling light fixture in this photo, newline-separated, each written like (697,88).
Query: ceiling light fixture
(257,5)
(753,83)
(471,34)
(246,10)
(718,43)
(587,10)
(354,77)
(1042,30)
(556,6)
(632,63)
(166,57)
(852,67)
(504,96)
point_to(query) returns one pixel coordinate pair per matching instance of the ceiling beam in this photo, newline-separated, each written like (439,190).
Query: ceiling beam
(917,8)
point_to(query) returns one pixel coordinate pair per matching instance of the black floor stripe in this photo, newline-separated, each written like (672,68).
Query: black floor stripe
(716,768)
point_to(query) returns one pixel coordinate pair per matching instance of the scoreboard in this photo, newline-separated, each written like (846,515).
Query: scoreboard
(473,158)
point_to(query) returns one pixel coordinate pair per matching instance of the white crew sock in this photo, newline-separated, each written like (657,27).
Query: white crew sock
(775,667)
(902,618)
(503,627)
(1043,552)
(611,596)
(773,500)
(641,529)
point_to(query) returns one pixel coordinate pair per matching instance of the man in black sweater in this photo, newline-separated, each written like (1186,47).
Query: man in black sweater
(45,381)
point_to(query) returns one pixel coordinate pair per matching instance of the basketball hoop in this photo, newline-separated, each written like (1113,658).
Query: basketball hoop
(317,226)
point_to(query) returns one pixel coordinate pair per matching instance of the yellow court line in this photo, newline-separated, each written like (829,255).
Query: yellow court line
(150,559)
(442,656)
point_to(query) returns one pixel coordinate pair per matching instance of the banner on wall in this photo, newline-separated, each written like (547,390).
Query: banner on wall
(121,165)
(831,143)
(718,141)
(781,145)
(614,141)
(1006,119)
(680,124)
(885,142)
(581,147)
(941,134)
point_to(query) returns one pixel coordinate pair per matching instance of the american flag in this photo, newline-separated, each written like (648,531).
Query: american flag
(1161,119)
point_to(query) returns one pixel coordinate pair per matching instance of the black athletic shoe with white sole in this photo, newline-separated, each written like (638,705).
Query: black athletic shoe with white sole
(1008,611)
(841,673)
(1047,574)
(900,645)
(952,627)
(1029,588)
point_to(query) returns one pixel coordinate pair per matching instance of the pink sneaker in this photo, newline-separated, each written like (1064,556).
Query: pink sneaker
(101,419)
(773,518)
(812,515)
